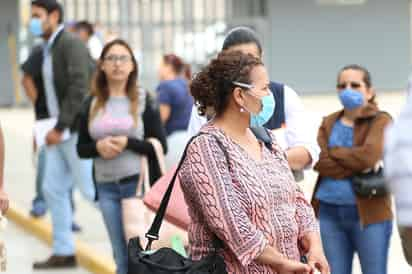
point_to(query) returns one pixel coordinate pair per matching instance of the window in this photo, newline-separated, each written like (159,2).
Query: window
(341,2)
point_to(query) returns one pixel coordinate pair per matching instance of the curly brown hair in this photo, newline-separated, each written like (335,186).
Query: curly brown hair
(211,87)
(100,87)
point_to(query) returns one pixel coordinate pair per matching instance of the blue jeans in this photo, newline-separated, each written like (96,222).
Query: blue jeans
(342,236)
(110,197)
(63,169)
(40,175)
(39,198)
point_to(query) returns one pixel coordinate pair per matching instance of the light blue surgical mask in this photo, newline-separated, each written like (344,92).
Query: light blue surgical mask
(268,107)
(35,27)
(351,99)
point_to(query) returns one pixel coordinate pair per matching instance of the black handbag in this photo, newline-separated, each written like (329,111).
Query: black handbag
(370,184)
(167,260)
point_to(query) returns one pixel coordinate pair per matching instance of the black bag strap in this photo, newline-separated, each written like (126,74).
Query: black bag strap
(263,135)
(153,233)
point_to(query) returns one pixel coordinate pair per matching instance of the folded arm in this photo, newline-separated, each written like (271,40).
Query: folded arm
(361,157)
(328,166)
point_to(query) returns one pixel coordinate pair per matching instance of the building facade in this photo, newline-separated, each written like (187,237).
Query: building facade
(305,42)
(9,26)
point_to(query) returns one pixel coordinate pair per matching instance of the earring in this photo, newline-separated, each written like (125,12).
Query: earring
(242,109)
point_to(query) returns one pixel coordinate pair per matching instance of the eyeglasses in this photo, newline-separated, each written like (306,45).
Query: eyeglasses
(249,87)
(353,85)
(121,58)
(242,85)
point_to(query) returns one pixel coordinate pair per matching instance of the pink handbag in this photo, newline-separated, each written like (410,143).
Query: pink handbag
(176,212)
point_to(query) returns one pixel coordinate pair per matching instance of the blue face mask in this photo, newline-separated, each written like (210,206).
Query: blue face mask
(351,99)
(35,27)
(268,107)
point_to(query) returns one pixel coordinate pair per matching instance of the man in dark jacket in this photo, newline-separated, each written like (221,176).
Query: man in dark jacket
(32,82)
(66,77)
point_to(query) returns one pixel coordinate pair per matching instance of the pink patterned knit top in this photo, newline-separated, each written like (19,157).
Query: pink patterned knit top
(248,205)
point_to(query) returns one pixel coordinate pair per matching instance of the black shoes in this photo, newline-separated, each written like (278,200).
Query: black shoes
(56,262)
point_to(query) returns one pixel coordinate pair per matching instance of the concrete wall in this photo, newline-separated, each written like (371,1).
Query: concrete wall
(9,21)
(311,42)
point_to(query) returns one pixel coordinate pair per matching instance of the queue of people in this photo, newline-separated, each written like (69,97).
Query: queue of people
(108,134)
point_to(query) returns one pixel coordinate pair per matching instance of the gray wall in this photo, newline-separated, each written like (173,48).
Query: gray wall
(310,42)
(8,24)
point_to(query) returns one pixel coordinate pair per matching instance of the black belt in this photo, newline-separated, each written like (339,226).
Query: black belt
(126,180)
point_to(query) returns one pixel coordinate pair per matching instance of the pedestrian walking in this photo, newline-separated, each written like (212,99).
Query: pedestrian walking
(294,132)
(114,122)
(32,82)
(351,142)
(239,190)
(65,72)
(175,104)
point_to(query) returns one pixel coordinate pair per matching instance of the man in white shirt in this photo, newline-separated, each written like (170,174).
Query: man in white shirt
(293,132)
(85,31)
(398,171)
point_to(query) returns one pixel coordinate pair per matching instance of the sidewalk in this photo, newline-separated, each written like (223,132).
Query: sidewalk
(22,249)
(20,174)
(19,178)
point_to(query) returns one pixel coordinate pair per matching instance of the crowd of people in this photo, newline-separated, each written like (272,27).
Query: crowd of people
(107,136)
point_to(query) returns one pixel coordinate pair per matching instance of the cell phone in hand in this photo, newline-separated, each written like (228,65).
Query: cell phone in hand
(304,260)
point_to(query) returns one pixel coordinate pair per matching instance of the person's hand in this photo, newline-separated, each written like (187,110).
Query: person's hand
(4,201)
(54,137)
(120,142)
(317,259)
(286,266)
(107,148)
(311,246)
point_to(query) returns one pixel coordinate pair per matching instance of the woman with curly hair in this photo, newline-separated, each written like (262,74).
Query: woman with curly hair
(238,189)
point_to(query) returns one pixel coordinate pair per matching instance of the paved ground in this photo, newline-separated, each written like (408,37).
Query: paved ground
(19,177)
(23,249)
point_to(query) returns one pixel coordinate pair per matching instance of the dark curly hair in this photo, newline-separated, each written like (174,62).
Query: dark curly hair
(211,87)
